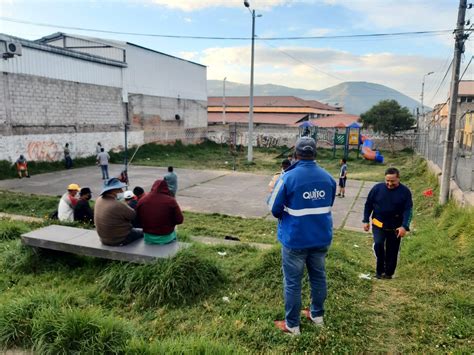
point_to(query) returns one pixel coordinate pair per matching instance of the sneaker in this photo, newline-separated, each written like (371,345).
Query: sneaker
(379,276)
(387,277)
(338,195)
(319,321)
(281,324)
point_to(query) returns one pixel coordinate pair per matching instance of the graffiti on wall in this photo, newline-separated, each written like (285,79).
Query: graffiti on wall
(266,141)
(44,151)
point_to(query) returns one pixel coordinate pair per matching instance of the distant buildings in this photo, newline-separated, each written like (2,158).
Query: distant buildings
(77,89)
(276,118)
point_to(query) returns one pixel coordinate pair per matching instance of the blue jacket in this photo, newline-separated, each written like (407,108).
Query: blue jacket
(302,201)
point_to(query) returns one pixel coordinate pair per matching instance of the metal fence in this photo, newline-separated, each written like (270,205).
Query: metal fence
(430,144)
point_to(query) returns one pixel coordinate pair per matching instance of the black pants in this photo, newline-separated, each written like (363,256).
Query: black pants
(68,161)
(386,247)
(135,234)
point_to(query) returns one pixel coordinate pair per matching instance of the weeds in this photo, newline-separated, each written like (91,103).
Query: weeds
(12,230)
(182,280)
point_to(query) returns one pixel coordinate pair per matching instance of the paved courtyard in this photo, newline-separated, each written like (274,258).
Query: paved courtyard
(207,191)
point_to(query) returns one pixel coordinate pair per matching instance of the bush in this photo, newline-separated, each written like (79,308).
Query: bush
(79,331)
(183,279)
(12,229)
(268,268)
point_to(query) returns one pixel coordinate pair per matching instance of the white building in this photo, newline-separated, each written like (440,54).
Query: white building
(75,89)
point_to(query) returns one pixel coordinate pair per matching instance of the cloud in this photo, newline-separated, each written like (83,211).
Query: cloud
(389,14)
(193,5)
(188,20)
(188,55)
(319,68)
(316,32)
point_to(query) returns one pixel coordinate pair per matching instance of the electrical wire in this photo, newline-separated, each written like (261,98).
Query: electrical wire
(442,80)
(355,36)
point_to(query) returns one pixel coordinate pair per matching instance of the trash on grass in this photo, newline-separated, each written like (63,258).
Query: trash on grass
(226,299)
(364,276)
(222,253)
(356,246)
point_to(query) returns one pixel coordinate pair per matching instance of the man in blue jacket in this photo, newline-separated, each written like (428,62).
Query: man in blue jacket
(390,205)
(302,201)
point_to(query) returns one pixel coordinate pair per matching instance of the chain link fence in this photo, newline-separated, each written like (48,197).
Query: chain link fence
(430,144)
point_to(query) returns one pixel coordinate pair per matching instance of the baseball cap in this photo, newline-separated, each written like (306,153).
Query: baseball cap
(306,147)
(73,187)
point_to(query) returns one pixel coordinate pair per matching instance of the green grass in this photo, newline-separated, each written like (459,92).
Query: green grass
(209,155)
(226,304)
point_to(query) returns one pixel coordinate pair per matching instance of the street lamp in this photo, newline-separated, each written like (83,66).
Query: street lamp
(250,135)
(223,101)
(423,94)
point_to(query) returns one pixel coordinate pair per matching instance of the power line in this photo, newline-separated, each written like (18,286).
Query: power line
(442,81)
(355,36)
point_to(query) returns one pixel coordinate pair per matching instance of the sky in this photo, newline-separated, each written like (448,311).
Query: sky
(398,62)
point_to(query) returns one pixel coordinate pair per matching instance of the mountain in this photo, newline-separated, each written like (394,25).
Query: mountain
(355,96)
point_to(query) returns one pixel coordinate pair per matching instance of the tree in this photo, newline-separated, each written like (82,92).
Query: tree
(388,117)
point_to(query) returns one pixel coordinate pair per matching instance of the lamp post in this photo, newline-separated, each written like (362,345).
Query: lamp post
(250,134)
(223,101)
(422,96)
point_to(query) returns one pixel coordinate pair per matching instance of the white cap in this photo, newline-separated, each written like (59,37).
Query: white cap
(128,195)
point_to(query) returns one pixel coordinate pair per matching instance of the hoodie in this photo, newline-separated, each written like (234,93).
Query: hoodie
(158,212)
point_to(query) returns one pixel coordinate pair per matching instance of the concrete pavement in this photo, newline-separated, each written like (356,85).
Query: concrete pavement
(206,191)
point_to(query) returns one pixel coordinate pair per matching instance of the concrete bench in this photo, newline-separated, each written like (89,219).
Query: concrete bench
(87,242)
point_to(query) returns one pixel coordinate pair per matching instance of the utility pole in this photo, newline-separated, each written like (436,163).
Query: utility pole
(223,101)
(453,102)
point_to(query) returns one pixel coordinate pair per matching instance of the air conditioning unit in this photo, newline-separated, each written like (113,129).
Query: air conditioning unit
(12,48)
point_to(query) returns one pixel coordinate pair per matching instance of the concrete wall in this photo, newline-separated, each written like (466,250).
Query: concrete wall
(263,135)
(156,116)
(39,115)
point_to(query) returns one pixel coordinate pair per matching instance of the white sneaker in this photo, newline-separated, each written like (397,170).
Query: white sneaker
(281,324)
(319,321)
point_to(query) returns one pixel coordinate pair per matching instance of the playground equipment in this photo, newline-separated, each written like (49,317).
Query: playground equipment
(368,152)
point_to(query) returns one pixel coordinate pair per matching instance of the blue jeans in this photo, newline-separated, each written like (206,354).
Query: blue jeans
(105,171)
(293,261)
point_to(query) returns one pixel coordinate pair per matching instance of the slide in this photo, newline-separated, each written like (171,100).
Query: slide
(368,152)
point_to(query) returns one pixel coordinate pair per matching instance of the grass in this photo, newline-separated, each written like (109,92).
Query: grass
(227,304)
(213,156)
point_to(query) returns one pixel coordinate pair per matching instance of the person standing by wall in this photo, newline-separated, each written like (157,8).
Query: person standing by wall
(302,200)
(390,205)
(103,161)
(67,156)
(172,180)
(98,148)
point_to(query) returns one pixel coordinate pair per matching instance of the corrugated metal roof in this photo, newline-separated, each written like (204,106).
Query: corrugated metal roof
(258,118)
(269,101)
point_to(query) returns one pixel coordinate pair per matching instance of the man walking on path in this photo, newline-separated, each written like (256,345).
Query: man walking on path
(342,178)
(172,180)
(390,205)
(302,201)
(67,156)
(103,160)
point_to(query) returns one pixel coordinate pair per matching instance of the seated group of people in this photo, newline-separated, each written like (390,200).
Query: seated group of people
(121,218)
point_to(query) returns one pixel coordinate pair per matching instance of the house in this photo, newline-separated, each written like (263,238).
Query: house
(81,90)
(276,118)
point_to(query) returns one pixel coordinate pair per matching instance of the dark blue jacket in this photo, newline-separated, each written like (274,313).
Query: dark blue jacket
(302,201)
(392,207)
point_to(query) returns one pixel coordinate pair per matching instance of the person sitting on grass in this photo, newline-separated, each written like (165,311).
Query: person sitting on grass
(113,218)
(83,211)
(22,167)
(159,213)
(139,192)
(67,203)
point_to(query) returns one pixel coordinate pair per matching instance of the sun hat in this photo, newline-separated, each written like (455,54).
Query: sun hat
(306,147)
(112,184)
(128,195)
(73,187)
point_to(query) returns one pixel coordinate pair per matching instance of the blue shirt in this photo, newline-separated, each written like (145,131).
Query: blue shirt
(302,201)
